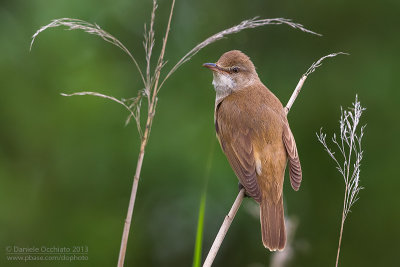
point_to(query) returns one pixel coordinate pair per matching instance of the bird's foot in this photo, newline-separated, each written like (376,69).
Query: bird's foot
(240,186)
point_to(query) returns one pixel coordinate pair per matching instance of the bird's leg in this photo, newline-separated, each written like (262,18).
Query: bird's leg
(240,186)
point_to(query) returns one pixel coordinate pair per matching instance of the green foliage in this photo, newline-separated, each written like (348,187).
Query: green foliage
(199,233)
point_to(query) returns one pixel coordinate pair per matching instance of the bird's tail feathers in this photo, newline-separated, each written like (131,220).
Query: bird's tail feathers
(272,224)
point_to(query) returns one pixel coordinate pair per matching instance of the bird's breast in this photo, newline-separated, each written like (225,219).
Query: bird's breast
(223,85)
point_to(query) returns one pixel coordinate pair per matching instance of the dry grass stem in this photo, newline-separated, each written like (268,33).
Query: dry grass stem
(352,153)
(224,229)
(148,44)
(77,24)
(151,91)
(161,62)
(318,63)
(133,108)
(303,78)
(350,149)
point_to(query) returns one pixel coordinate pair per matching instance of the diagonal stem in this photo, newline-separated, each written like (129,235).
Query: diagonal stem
(149,122)
(224,229)
(341,227)
(128,219)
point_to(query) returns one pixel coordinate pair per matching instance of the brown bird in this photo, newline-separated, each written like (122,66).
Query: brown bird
(254,134)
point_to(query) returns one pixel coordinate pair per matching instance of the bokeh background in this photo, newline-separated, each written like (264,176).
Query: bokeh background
(66,164)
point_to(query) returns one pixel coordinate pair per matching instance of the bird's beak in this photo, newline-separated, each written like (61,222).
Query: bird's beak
(215,67)
(211,66)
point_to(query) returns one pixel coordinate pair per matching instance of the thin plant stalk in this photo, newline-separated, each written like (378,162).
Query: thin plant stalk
(150,117)
(351,151)
(343,211)
(344,207)
(224,229)
(238,201)
(341,228)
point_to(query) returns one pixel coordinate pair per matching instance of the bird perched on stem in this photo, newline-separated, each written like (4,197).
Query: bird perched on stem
(254,133)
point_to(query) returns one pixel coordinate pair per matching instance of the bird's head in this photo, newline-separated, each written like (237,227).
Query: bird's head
(233,71)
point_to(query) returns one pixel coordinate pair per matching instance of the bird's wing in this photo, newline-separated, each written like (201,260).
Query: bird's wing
(236,143)
(294,161)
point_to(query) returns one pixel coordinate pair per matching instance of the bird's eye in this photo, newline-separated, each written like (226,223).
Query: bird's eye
(235,69)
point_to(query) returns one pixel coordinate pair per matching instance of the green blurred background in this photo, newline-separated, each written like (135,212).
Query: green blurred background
(66,164)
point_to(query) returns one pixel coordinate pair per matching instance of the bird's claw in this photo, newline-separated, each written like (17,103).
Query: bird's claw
(240,186)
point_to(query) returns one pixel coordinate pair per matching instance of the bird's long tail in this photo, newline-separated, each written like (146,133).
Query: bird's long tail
(272,224)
